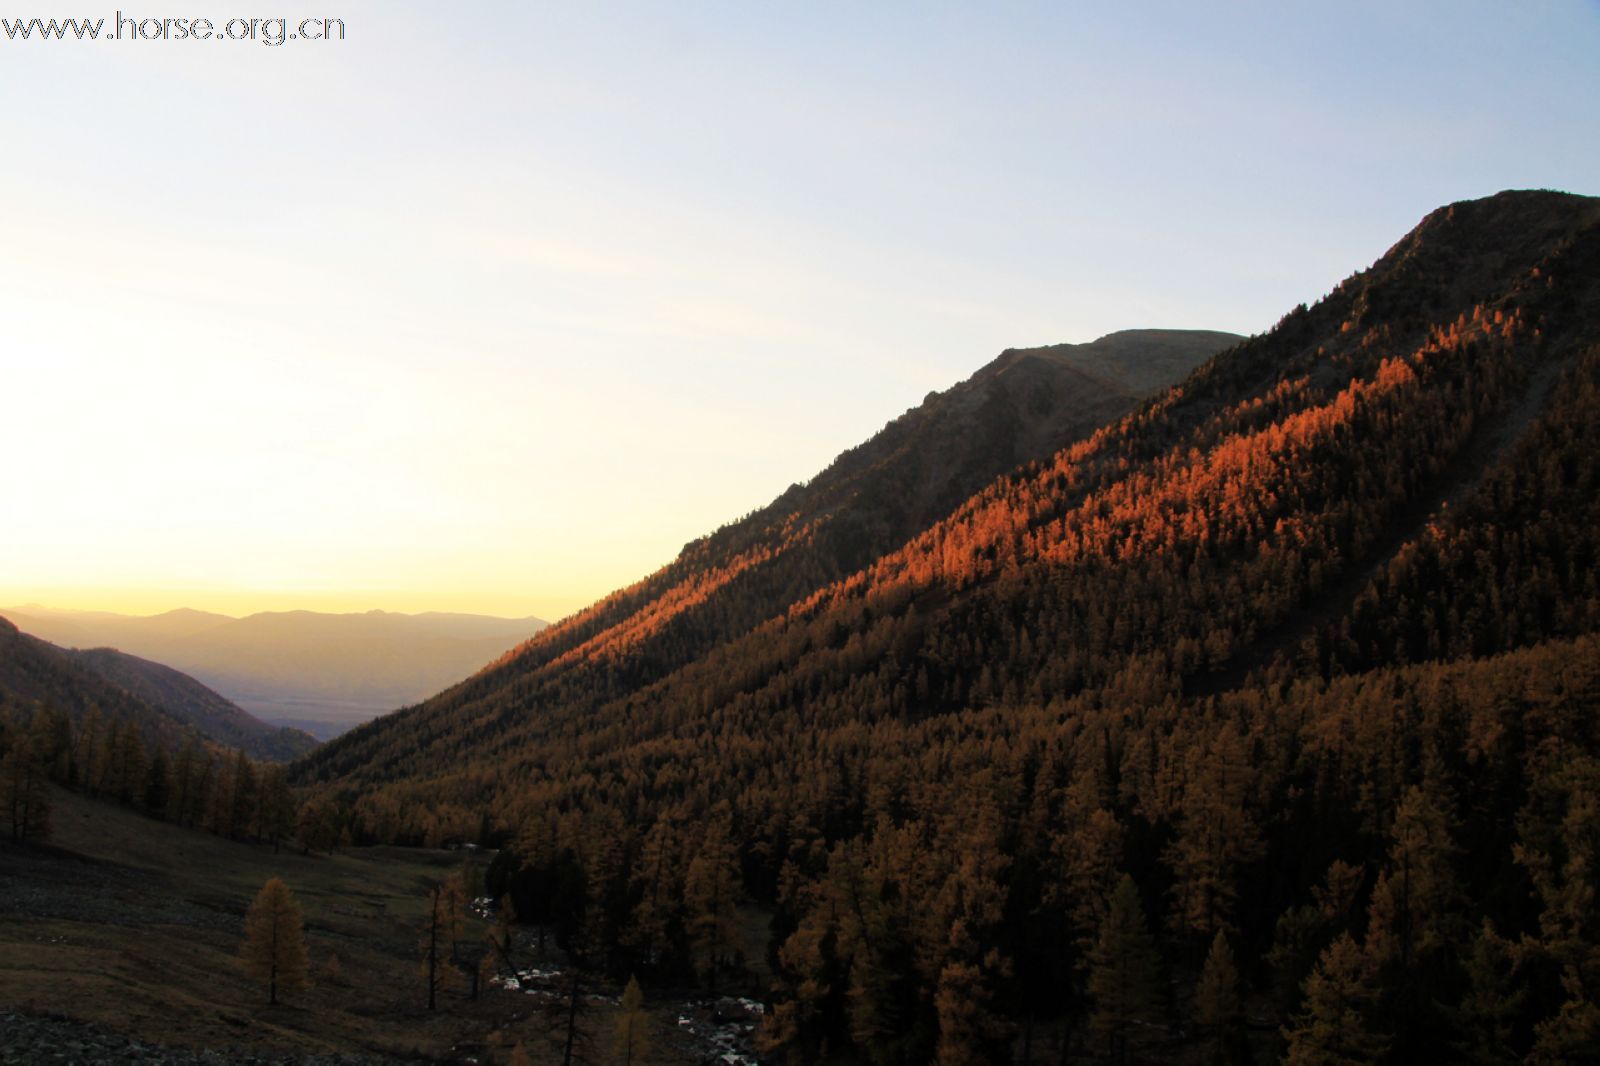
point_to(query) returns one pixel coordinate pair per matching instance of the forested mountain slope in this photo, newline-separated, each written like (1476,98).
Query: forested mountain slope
(192,703)
(1023,406)
(34,672)
(168,709)
(1284,685)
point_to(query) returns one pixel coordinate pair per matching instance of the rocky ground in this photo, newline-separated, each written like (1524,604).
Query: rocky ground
(36,1040)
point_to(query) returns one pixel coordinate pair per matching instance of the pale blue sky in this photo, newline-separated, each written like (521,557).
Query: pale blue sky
(494,307)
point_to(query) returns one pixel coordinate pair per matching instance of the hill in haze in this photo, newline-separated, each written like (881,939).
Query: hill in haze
(192,703)
(1294,663)
(168,707)
(319,672)
(34,671)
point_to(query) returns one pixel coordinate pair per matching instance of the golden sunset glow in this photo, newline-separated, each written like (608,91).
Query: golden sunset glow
(292,326)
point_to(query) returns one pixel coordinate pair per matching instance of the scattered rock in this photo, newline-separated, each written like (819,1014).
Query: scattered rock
(38,1039)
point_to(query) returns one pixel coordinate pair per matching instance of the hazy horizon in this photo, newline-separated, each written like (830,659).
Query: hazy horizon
(51,608)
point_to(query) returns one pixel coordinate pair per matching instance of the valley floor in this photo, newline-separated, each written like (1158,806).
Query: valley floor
(123,933)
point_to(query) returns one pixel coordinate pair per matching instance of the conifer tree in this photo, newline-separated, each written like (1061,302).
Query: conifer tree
(274,948)
(1124,971)
(1217,1010)
(51,731)
(1216,836)
(971,905)
(498,935)
(242,801)
(1414,923)
(710,895)
(960,1002)
(275,811)
(158,784)
(129,760)
(24,793)
(314,825)
(1091,855)
(606,866)
(657,882)
(1415,910)
(91,735)
(568,1017)
(1334,1028)
(440,931)
(205,784)
(219,799)
(186,782)
(1492,1001)
(109,780)
(633,1027)
(1569,924)
(874,942)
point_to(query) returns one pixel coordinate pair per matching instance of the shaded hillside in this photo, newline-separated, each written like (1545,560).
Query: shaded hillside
(938,769)
(190,702)
(74,718)
(33,672)
(1024,405)
(325,672)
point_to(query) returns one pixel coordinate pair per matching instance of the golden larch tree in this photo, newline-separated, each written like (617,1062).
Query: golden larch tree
(274,948)
(633,1027)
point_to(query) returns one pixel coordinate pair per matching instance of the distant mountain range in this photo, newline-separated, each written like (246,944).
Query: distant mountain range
(319,672)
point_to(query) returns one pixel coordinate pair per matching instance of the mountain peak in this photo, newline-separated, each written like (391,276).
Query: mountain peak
(1134,361)
(1463,249)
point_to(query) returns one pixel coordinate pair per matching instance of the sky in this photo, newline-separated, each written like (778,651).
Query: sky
(493,308)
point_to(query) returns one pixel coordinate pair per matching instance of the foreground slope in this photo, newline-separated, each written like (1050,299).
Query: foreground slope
(1304,649)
